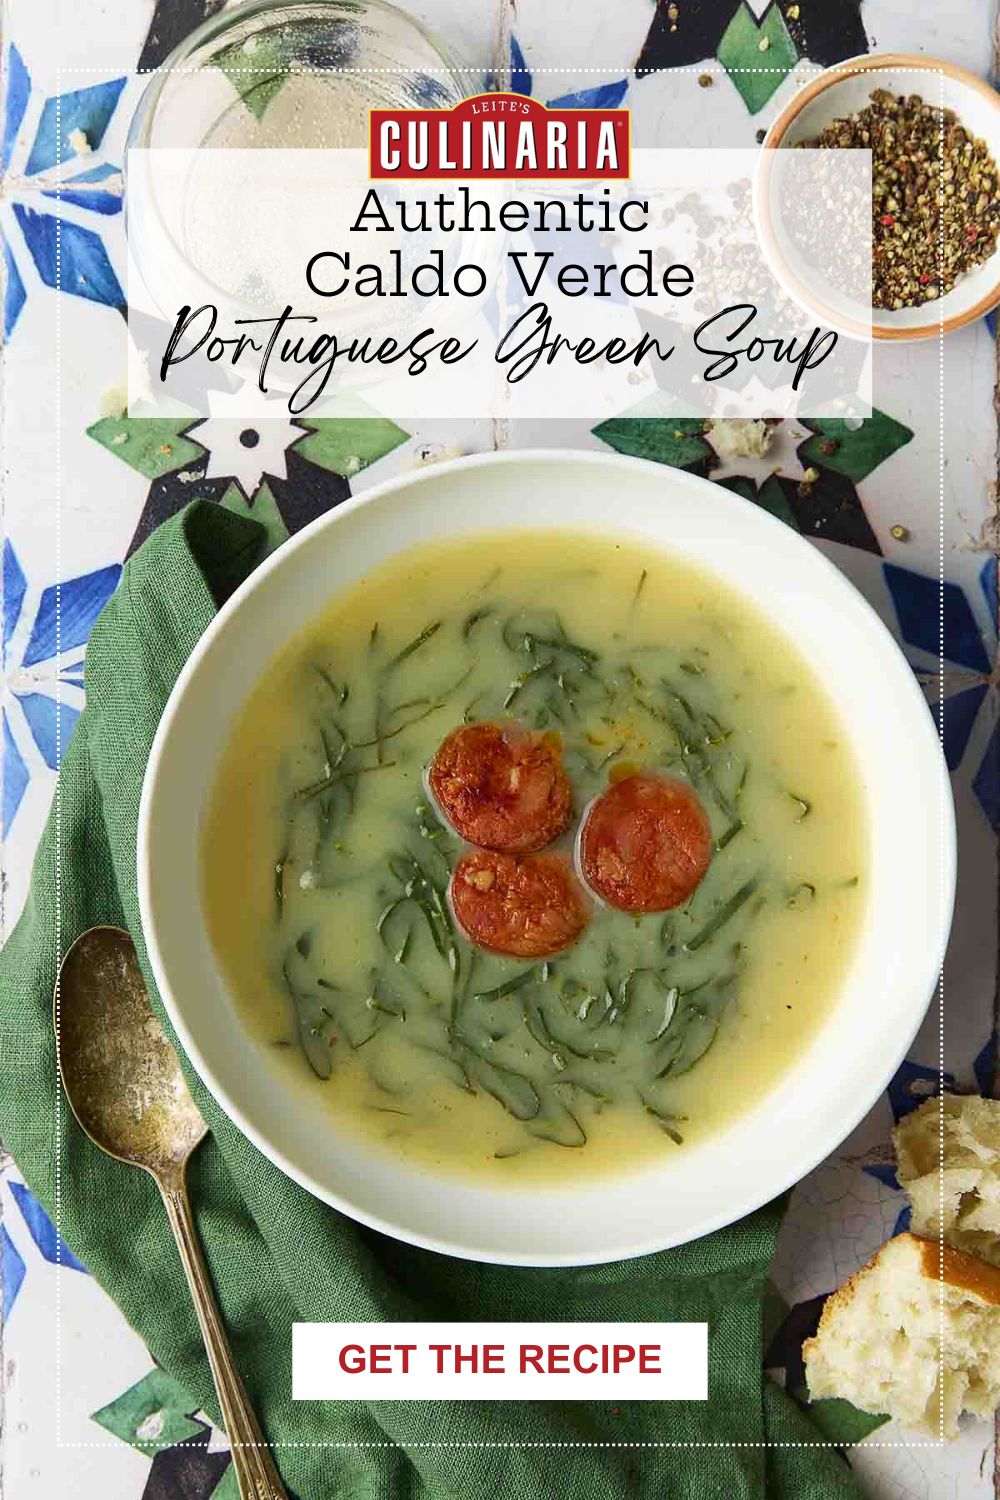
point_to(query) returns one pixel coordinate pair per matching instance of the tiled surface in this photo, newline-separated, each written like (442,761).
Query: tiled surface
(112,489)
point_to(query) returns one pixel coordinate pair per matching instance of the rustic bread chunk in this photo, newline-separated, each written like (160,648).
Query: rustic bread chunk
(879,1341)
(971,1178)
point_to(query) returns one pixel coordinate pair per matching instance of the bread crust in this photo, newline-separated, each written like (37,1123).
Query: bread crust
(959,1269)
(965,1272)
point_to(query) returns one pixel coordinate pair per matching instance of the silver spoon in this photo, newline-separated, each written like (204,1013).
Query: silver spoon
(125,1086)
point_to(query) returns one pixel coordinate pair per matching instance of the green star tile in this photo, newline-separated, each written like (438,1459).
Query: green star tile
(756,72)
(346,445)
(770,497)
(261,507)
(227,1488)
(256,73)
(773,1313)
(151,1415)
(678,441)
(839,1422)
(152,445)
(853,452)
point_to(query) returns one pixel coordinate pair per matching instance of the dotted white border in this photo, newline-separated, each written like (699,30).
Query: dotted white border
(944,772)
(711,69)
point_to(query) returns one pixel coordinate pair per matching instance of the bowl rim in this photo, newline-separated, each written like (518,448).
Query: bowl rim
(481,1252)
(868,62)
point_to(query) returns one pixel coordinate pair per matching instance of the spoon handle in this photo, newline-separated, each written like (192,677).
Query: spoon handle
(256,1474)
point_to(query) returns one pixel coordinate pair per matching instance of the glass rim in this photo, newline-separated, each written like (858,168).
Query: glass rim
(228,19)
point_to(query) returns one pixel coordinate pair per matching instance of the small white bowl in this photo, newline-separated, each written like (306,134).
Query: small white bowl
(910,881)
(843,90)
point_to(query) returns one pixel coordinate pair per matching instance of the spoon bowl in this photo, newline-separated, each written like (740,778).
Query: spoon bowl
(122,1077)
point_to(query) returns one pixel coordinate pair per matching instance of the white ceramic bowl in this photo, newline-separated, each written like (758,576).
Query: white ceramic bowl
(911,879)
(845,89)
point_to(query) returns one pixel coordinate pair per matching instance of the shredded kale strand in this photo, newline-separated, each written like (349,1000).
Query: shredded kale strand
(425,635)
(513,1090)
(310,1018)
(336,778)
(508,987)
(552,1043)
(474,618)
(722,915)
(805,807)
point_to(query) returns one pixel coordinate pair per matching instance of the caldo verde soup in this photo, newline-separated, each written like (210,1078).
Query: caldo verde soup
(536,853)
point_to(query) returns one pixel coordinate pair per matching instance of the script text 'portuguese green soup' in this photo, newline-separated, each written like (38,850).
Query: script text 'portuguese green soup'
(326,866)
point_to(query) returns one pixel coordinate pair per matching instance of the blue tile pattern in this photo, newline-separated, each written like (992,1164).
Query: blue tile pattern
(61,625)
(11,1271)
(884,1172)
(603,96)
(917,599)
(14,295)
(988,584)
(14,585)
(986,783)
(76,191)
(58,165)
(69,257)
(72,608)
(984,1067)
(42,1230)
(15,777)
(922,607)
(903,1219)
(959,714)
(86,110)
(51,724)
(520,74)
(18,92)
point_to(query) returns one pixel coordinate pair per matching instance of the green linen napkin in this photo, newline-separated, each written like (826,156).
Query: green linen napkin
(278,1255)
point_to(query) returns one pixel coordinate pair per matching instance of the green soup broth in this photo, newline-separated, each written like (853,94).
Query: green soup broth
(326,868)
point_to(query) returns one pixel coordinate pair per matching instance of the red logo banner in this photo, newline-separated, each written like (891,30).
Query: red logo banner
(499,135)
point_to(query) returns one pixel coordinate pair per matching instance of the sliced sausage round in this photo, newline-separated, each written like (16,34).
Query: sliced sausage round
(502,787)
(645,843)
(528,906)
